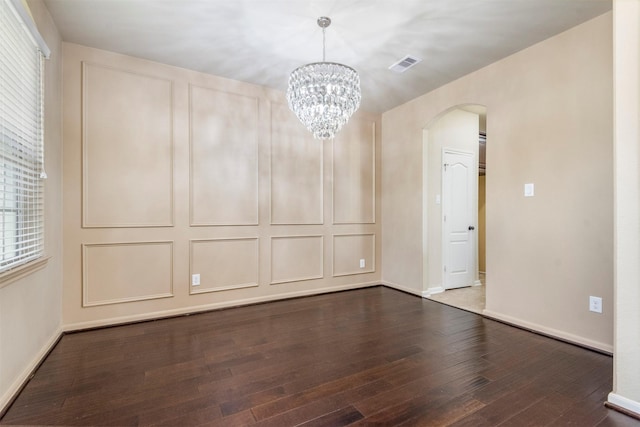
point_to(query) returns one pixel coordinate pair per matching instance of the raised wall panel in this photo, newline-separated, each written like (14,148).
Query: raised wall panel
(224,158)
(296,170)
(224,264)
(349,249)
(127,148)
(354,173)
(122,272)
(295,258)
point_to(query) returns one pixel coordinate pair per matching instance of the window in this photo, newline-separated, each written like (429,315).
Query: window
(22,52)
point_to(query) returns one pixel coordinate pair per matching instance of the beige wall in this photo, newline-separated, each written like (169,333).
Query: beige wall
(626,378)
(457,130)
(30,308)
(170,172)
(549,110)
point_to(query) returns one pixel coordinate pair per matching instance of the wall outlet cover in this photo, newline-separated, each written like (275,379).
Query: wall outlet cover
(595,304)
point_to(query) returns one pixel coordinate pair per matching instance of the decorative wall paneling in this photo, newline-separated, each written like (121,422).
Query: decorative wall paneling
(349,250)
(123,272)
(224,264)
(127,148)
(296,171)
(170,172)
(223,157)
(296,258)
(354,176)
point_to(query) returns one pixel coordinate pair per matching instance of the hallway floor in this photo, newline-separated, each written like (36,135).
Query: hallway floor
(471,298)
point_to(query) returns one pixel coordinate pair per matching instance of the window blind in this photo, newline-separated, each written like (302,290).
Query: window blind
(21,139)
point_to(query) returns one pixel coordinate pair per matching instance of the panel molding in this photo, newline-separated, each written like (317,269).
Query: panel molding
(256,214)
(85,273)
(198,291)
(85,151)
(302,278)
(321,177)
(373,177)
(372,269)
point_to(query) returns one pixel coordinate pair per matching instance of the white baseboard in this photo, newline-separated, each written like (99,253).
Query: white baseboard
(9,394)
(432,291)
(624,403)
(477,283)
(401,288)
(208,307)
(576,339)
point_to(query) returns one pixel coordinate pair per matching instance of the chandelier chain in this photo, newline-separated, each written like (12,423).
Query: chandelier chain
(324,44)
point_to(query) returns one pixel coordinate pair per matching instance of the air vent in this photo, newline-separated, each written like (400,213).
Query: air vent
(404,64)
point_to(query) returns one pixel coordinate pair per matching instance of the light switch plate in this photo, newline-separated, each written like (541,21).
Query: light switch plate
(362,263)
(528,190)
(195,280)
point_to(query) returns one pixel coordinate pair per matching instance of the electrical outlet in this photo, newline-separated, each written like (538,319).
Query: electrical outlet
(195,280)
(362,263)
(595,304)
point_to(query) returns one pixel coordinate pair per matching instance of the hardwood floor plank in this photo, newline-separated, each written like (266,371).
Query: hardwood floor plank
(450,412)
(316,408)
(341,417)
(371,356)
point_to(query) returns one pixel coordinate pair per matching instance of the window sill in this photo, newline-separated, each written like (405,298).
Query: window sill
(18,273)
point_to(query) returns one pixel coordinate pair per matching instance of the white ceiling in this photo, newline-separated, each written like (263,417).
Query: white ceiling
(262,41)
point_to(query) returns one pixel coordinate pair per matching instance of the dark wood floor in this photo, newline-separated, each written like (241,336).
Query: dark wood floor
(368,357)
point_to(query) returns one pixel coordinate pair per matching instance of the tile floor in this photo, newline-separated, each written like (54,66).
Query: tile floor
(471,298)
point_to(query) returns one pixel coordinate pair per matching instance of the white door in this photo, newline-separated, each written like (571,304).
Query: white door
(458,180)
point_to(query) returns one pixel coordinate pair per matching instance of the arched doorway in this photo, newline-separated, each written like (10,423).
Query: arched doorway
(454,171)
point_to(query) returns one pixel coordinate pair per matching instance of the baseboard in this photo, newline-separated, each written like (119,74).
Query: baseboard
(401,288)
(432,291)
(553,333)
(477,283)
(16,387)
(624,405)
(114,321)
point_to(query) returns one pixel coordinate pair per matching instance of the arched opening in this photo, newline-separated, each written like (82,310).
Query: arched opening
(454,182)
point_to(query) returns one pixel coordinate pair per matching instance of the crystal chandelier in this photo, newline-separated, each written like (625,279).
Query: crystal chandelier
(324,95)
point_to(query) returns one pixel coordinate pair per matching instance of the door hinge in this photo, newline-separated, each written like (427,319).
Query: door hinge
(445,268)
(445,166)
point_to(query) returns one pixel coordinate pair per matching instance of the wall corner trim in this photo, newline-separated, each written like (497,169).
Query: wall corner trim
(9,395)
(624,405)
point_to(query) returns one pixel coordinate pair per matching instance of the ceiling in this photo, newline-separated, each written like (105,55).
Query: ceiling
(262,41)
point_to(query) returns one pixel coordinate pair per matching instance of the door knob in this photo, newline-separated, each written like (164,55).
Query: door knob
(471,228)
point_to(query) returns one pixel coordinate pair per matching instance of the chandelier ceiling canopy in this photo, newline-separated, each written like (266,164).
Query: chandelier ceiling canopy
(324,95)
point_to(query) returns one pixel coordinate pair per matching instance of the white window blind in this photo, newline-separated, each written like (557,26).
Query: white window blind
(21,138)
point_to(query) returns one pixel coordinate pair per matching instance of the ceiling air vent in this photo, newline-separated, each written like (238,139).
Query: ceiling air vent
(404,64)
